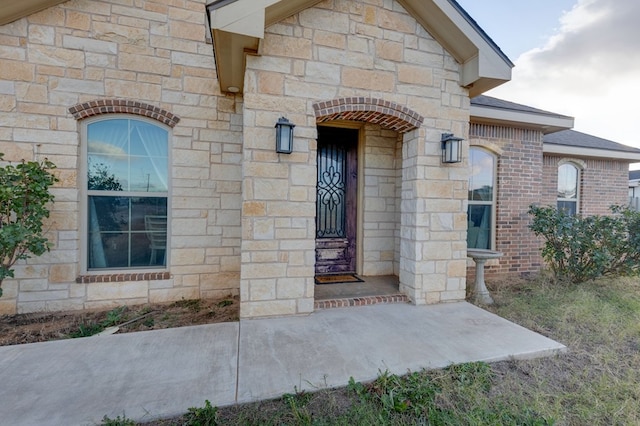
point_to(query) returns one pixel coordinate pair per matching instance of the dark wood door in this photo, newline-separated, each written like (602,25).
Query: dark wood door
(336,200)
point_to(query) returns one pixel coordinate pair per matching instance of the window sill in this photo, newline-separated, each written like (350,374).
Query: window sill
(113,278)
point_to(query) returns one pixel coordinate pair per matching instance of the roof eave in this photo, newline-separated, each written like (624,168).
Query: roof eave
(555,149)
(231,51)
(483,65)
(14,10)
(523,119)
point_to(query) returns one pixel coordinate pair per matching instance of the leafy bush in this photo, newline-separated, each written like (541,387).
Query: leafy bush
(202,416)
(581,248)
(24,194)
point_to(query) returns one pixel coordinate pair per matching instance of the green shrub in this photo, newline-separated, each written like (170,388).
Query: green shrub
(580,248)
(202,416)
(24,194)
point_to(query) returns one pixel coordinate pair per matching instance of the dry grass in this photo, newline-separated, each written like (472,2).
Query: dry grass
(597,382)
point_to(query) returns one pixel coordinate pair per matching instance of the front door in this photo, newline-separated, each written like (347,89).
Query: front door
(336,200)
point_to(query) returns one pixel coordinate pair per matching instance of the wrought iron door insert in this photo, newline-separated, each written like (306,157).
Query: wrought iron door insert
(336,200)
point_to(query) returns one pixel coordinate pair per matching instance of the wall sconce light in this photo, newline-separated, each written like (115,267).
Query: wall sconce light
(451,148)
(284,136)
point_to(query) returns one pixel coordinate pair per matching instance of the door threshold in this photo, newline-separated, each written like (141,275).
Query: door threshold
(371,291)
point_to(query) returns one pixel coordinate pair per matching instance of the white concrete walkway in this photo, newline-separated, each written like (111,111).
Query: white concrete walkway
(154,374)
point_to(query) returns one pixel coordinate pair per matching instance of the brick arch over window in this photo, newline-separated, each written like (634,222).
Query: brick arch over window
(371,110)
(122,106)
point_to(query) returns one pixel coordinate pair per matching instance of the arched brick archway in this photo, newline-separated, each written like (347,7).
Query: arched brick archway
(123,106)
(371,110)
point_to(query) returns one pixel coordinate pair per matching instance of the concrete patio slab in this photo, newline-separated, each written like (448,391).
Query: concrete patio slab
(161,373)
(141,375)
(330,346)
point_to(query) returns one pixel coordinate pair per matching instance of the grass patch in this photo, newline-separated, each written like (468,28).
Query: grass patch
(597,382)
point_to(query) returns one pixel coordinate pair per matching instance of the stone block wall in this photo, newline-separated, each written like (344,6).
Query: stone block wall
(342,49)
(242,218)
(381,210)
(149,51)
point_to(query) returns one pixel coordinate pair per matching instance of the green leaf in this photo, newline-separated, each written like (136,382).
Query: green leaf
(24,204)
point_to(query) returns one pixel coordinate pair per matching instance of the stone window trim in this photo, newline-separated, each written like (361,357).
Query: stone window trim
(387,114)
(123,106)
(491,147)
(579,164)
(112,278)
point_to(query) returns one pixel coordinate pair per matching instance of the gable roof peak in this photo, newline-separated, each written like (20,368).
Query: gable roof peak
(238,25)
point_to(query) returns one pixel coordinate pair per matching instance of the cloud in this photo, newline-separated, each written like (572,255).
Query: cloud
(105,148)
(588,70)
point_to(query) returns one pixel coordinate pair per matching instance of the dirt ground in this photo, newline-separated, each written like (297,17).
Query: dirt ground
(41,327)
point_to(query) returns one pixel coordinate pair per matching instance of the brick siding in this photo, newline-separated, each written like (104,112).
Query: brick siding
(602,183)
(525,177)
(519,184)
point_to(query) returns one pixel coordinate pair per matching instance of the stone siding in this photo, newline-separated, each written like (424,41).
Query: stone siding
(334,50)
(381,210)
(147,51)
(242,217)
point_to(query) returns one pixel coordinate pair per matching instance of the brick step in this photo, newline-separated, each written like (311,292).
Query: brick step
(360,301)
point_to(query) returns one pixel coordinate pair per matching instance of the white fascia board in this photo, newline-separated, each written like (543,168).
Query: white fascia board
(521,117)
(482,67)
(487,62)
(629,157)
(245,17)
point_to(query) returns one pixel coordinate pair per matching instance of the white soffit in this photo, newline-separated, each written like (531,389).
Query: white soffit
(629,157)
(11,10)
(529,120)
(244,17)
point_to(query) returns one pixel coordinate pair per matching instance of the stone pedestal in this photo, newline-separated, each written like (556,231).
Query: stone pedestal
(480,256)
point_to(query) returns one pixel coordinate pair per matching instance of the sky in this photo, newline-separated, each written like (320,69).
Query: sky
(574,57)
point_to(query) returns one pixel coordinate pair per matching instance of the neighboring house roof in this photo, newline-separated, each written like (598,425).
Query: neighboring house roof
(12,10)
(486,109)
(238,25)
(571,142)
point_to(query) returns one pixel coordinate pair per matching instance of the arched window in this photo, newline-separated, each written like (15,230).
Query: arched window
(482,194)
(126,165)
(568,188)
